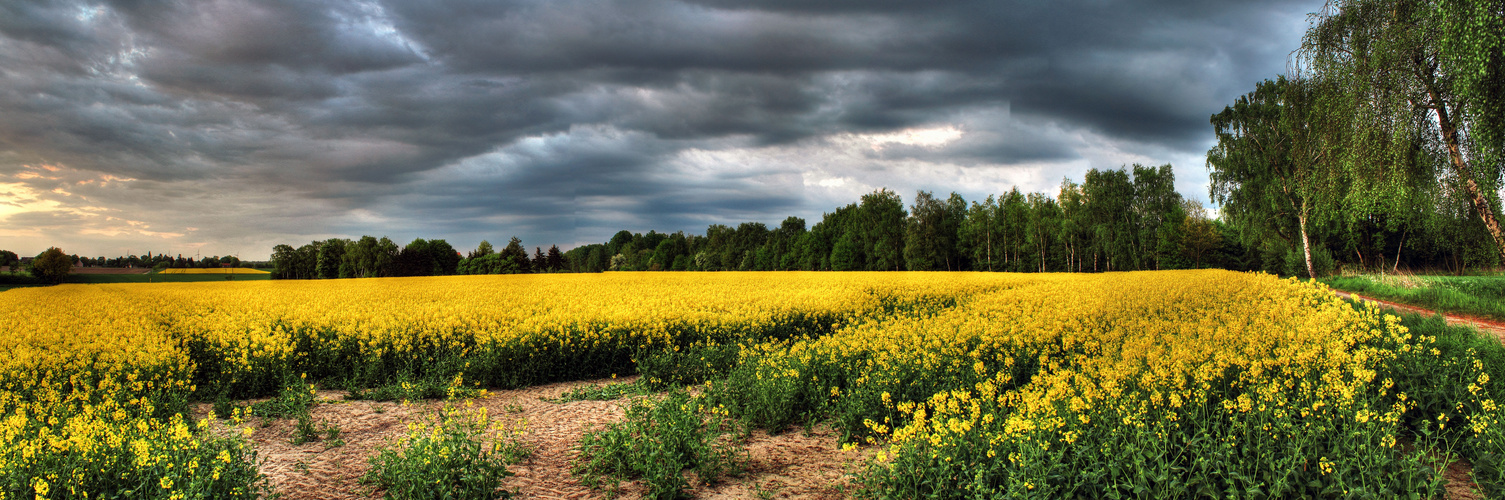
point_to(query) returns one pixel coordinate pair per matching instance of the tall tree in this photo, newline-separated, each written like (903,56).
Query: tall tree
(284,262)
(444,258)
(925,236)
(1012,229)
(331,255)
(555,259)
(978,233)
(1431,65)
(1157,210)
(514,258)
(1271,168)
(1110,199)
(52,265)
(1043,227)
(481,250)
(9,259)
(1073,220)
(880,221)
(1202,236)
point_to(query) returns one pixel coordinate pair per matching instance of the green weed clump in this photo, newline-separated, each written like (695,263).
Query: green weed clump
(409,388)
(294,401)
(690,365)
(451,458)
(605,392)
(658,442)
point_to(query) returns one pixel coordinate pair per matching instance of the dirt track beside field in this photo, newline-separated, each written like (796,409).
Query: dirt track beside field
(1495,328)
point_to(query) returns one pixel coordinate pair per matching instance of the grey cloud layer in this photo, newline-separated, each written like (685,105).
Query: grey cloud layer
(361,107)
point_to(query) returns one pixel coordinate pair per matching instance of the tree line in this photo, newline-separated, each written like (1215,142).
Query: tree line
(50,266)
(1384,146)
(1115,220)
(150,260)
(372,257)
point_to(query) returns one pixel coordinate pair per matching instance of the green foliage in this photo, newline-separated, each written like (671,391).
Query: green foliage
(408,387)
(9,259)
(52,265)
(1453,392)
(162,278)
(1126,219)
(513,259)
(1472,295)
(657,442)
(687,366)
(605,392)
(295,401)
(451,458)
(331,255)
(931,233)
(1420,83)
(1295,262)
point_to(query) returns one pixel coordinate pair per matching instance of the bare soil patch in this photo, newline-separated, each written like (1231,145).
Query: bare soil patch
(1460,481)
(793,464)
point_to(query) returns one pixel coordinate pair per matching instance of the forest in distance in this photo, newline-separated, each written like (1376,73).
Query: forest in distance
(1384,147)
(1115,220)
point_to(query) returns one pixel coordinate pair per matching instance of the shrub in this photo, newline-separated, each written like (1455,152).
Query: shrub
(52,265)
(606,392)
(657,442)
(450,459)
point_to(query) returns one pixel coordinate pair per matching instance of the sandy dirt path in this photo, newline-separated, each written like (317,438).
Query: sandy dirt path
(793,464)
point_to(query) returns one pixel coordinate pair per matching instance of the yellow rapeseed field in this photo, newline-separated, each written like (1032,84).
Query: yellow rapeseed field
(967,380)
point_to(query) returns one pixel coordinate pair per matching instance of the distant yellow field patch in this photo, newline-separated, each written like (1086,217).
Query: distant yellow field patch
(214,270)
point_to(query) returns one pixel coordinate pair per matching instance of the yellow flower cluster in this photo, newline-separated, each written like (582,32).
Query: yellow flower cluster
(86,366)
(1041,362)
(1038,359)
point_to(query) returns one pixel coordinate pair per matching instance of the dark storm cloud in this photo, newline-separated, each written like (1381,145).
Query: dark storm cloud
(481,113)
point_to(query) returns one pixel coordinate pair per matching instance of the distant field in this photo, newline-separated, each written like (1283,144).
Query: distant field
(103,275)
(214,270)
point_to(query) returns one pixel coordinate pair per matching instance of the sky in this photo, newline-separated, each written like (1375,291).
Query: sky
(225,127)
